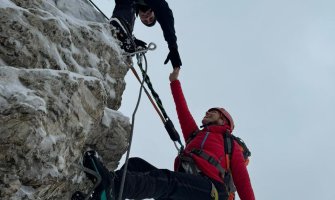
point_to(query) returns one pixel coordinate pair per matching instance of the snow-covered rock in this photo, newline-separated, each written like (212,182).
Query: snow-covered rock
(61,83)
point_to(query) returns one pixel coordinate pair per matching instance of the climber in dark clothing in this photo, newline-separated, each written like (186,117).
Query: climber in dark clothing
(149,11)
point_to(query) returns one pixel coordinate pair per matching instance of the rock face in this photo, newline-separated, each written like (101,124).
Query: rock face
(61,83)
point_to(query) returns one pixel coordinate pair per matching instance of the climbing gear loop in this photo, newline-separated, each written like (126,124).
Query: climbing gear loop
(152,46)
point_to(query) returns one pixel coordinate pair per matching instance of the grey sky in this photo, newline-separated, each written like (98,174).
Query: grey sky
(271,63)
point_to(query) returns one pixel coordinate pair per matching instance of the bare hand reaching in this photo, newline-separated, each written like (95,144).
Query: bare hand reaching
(174,75)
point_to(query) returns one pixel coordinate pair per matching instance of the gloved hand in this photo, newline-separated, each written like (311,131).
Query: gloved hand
(140,43)
(174,57)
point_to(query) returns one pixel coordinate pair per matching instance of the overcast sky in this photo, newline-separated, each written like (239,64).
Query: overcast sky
(271,64)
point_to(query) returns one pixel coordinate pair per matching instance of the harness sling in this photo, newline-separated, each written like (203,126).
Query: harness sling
(225,174)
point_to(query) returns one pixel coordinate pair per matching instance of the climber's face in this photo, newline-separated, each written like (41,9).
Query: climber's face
(213,117)
(147,17)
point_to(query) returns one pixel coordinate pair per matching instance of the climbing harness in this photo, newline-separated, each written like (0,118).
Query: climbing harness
(225,174)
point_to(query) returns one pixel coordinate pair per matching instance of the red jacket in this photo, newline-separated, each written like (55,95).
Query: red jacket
(213,145)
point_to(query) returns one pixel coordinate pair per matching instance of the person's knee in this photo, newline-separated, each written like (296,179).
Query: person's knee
(138,161)
(135,159)
(136,164)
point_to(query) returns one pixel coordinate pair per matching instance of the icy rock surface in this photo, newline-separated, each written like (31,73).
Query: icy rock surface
(61,84)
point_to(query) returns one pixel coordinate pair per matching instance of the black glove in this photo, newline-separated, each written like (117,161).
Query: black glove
(174,57)
(140,43)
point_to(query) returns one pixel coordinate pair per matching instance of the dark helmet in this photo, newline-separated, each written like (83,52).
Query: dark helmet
(143,6)
(226,115)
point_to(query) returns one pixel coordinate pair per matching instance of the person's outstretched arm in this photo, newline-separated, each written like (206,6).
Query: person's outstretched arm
(186,120)
(165,18)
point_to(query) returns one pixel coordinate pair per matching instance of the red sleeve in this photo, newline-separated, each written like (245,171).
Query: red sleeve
(241,175)
(186,120)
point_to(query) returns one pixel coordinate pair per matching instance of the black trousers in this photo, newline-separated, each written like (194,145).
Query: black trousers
(143,181)
(125,11)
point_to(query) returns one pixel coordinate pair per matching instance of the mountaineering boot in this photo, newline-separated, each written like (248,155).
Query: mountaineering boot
(122,34)
(78,196)
(105,188)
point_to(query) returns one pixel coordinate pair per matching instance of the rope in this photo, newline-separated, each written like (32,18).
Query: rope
(96,7)
(158,102)
(167,122)
(147,93)
(146,78)
(161,111)
(131,135)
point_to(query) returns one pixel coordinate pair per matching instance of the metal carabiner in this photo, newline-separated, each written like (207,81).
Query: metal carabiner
(152,46)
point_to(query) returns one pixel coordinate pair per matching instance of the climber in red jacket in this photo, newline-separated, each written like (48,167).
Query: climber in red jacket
(210,140)
(194,178)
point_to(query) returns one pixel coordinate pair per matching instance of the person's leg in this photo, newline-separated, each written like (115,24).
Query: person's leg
(125,11)
(123,20)
(164,184)
(136,164)
(141,183)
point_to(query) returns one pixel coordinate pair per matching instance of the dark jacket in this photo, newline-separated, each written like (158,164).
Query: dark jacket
(125,10)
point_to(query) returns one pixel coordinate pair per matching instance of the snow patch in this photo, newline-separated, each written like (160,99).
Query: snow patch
(41,132)
(61,162)
(110,79)
(75,9)
(112,94)
(11,88)
(50,140)
(111,115)
(52,171)
(8,4)
(77,179)
(2,62)
(26,191)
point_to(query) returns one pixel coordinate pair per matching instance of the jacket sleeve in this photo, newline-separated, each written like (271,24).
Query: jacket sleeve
(186,120)
(165,18)
(240,175)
